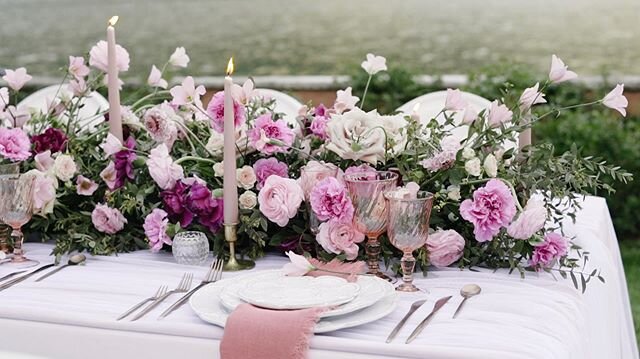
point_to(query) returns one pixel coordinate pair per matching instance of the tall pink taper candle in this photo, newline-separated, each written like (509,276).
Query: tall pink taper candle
(230,188)
(115,117)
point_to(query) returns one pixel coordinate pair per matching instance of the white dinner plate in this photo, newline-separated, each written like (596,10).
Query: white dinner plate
(372,289)
(206,304)
(274,290)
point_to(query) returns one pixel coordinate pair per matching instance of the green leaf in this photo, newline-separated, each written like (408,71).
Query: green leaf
(574,279)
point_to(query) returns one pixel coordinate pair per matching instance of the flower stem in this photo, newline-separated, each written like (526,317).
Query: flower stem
(194,158)
(366,89)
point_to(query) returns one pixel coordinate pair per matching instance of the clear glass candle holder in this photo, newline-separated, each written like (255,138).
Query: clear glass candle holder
(190,248)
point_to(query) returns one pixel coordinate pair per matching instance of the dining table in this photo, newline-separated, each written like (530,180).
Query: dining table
(72,314)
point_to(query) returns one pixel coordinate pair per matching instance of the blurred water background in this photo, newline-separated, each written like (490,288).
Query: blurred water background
(272,37)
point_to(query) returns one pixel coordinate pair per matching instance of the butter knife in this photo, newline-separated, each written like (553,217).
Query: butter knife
(439,304)
(412,310)
(23,277)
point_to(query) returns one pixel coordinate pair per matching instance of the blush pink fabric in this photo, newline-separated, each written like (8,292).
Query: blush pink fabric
(253,332)
(335,265)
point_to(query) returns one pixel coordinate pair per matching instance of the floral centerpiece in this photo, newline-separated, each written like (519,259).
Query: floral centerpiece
(496,205)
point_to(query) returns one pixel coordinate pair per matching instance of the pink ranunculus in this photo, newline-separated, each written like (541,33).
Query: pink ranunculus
(345,100)
(492,208)
(530,221)
(338,236)
(616,100)
(85,186)
(545,254)
(43,161)
(319,127)
(155,78)
(559,71)
(444,247)
(280,199)
(16,78)
(98,57)
(107,220)
(77,68)
(266,167)
(314,172)
(109,175)
(155,228)
(454,101)
(531,96)
(14,144)
(330,200)
(162,168)
(498,114)
(215,110)
(187,93)
(269,137)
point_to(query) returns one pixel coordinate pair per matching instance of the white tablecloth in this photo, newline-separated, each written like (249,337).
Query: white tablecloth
(71,315)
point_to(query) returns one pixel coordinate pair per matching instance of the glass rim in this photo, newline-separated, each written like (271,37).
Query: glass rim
(346,177)
(184,233)
(389,196)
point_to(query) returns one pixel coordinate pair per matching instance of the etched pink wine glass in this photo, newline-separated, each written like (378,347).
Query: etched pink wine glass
(408,228)
(366,190)
(16,207)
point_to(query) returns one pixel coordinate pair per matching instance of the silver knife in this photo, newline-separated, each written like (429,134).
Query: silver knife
(21,278)
(439,304)
(11,275)
(412,310)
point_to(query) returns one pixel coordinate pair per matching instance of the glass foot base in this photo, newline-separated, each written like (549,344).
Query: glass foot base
(406,287)
(21,263)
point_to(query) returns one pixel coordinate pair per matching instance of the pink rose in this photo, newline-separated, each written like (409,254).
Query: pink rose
(85,186)
(215,109)
(530,221)
(14,144)
(106,219)
(329,200)
(155,228)
(162,169)
(314,172)
(546,253)
(266,167)
(444,247)
(270,136)
(492,208)
(98,57)
(279,199)
(338,236)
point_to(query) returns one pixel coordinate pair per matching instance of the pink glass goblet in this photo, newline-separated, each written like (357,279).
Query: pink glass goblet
(16,207)
(309,178)
(366,190)
(408,229)
(6,171)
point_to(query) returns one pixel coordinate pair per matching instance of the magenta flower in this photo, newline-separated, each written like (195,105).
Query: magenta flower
(270,136)
(14,144)
(329,200)
(123,161)
(319,127)
(106,219)
(155,228)
(215,110)
(208,209)
(51,139)
(492,208)
(548,252)
(266,167)
(174,202)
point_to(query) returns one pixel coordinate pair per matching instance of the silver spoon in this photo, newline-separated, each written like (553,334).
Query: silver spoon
(467,291)
(74,260)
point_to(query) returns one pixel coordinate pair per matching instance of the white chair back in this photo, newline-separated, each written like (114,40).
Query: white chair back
(285,104)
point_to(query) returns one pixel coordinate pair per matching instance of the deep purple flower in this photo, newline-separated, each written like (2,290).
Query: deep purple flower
(212,218)
(208,209)
(123,161)
(51,139)
(174,201)
(320,111)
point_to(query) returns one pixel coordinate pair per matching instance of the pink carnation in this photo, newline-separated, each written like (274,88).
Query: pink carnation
(492,208)
(266,167)
(215,109)
(155,228)
(270,136)
(445,157)
(106,219)
(444,247)
(339,236)
(546,253)
(14,144)
(329,200)
(319,127)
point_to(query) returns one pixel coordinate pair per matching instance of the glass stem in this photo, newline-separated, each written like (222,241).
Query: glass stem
(18,253)
(5,232)
(408,263)
(373,249)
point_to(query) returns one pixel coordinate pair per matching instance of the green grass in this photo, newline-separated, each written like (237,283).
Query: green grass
(631,259)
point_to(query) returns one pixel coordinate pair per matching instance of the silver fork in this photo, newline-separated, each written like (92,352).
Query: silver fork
(214,274)
(160,292)
(185,284)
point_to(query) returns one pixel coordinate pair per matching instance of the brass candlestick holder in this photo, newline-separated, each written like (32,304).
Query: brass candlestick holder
(234,264)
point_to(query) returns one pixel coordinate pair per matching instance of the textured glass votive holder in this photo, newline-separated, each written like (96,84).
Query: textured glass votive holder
(190,248)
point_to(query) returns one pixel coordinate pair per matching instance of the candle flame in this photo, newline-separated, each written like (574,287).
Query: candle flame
(230,66)
(113,20)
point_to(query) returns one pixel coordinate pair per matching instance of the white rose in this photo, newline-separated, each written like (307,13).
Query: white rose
(218,169)
(491,165)
(248,200)
(395,128)
(468,153)
(215,144)
(246,177)
(357,135)
(64,167)
(453,192)
(473,167)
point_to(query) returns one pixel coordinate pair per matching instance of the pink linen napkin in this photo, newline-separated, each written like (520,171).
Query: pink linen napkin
(253,332)
(350,270)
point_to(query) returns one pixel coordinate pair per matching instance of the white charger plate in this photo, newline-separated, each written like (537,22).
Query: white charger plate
(372,289)
(274,290)
(206,304)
